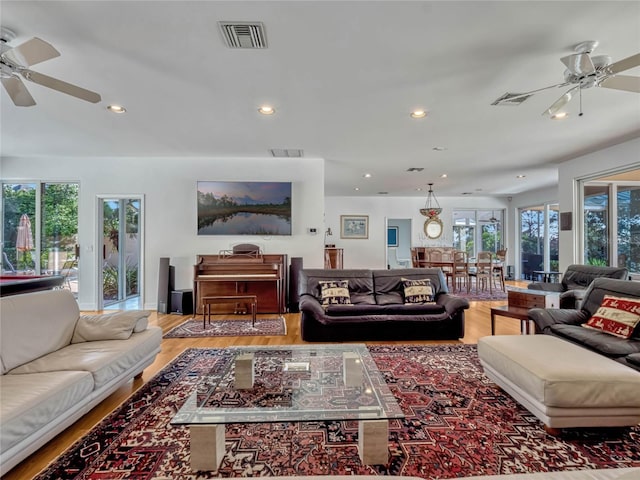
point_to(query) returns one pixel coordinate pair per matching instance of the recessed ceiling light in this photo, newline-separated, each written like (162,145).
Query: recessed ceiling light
(418,114)
(418,189)
(520,176)
(356,188)
(267,110)
(116,108)
(439,149)
(444,175)
(559,116)
(367,175)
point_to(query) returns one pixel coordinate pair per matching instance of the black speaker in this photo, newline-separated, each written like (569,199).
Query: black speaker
(182,302)
(294,275)
(164,280)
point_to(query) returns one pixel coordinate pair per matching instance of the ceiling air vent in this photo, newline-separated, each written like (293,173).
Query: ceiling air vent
(415,169)
(243,34)
(512,99)
(287,152)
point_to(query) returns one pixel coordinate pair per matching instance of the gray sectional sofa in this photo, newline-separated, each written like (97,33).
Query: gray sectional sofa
(566,324)
(378,310)
(57,365)
(576,280)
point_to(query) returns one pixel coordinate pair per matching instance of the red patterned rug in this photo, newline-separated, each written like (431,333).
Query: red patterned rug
(457,424)
(229,328)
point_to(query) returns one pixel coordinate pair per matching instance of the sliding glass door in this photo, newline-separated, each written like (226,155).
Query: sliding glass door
(40,229)
(538,239)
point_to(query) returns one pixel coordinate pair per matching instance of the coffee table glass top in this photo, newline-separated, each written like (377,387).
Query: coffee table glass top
(291,384)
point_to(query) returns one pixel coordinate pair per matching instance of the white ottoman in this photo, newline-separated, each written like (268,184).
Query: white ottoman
(562,384)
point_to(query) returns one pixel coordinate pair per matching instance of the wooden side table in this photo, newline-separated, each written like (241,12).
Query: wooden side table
(252,300)
(519,313)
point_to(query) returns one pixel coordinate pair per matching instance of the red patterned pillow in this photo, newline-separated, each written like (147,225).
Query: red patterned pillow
(617,316)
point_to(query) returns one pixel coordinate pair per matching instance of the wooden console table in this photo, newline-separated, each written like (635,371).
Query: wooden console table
(333,258)
(521,300)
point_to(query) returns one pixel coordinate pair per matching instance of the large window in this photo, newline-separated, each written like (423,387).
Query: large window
(612,224)
(538,239)
(39,228)
(478,230)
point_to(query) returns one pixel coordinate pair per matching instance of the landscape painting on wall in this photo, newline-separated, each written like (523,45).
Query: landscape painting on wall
(244,208)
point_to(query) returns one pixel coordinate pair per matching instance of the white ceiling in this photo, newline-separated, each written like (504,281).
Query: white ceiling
(343,77)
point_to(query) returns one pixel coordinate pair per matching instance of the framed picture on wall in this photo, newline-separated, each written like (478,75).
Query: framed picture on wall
(354,226)
(392,236)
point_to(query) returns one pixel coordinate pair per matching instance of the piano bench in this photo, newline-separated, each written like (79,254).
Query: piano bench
(216,299)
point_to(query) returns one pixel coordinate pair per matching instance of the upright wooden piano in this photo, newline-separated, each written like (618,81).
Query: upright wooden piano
(229,273)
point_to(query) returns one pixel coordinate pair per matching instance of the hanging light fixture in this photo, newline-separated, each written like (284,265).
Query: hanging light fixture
(432,207)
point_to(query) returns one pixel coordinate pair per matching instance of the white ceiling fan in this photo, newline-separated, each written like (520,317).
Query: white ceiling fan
(14,63)
(584,71)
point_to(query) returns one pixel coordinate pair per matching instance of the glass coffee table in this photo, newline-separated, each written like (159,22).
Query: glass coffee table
(290,384)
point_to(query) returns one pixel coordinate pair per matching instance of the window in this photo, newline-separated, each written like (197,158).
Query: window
(478,230)
(39,227)
(538,239)
(611,229)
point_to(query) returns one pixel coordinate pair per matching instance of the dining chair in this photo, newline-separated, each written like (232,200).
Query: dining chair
(482,272)
(498,268)
(460,270)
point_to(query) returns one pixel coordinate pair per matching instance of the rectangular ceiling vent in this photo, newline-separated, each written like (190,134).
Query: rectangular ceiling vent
(512,99)
(287,152)
(415,169)
(243,34)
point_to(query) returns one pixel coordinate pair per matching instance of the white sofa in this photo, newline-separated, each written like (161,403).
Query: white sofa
(57,365)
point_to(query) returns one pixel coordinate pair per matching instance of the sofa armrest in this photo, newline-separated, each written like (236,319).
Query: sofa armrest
(452,303)
(309,303)
(572,298)
(545,317)
(547,287)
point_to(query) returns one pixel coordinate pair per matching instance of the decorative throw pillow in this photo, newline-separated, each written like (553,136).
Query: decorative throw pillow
(109,326)
(335,292)
(617,316)
(417,291)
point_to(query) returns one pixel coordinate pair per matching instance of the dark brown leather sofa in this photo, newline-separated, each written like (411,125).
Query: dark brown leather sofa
(576,280)
(566,323)
(378,311)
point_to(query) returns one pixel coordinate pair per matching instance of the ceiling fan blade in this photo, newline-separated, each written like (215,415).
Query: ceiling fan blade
(561,102)
(622,82)
(509,97)
(18,92)
(579,64)
(624,64)
(60,86)
(31,52)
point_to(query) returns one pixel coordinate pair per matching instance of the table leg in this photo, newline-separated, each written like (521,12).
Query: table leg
(373,442)
(493,323)
(207,446)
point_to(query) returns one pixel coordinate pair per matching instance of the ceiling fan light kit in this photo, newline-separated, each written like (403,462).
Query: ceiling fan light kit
(583,71)
(14,63)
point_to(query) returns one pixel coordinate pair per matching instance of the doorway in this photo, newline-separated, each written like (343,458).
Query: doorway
(398,243)
(121,255)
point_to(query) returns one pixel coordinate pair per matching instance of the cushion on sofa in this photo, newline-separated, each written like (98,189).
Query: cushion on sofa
(334,292)
(617,316)
(109,326)
(104,359)
(27,402)
(417,291)
(601,342)
(35,324)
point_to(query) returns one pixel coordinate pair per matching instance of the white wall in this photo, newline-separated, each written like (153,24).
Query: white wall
(169,187)
(370,253)
(623,156)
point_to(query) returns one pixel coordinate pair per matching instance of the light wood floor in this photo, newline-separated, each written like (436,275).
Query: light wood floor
(477,324)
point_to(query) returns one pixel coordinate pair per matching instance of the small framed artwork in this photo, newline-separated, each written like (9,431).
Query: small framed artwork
(392,236)
(354,226)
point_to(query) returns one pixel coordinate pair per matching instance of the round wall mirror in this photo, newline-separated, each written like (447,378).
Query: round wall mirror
(433,227)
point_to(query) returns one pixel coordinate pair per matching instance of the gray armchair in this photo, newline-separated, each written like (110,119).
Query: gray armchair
(576,280)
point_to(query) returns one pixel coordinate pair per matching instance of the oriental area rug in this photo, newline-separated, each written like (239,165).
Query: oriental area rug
(457,424)
(482,295)
(229,328)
